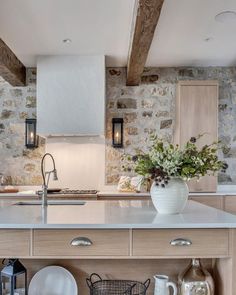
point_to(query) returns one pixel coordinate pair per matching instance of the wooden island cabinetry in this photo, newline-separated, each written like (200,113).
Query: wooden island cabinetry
(117,253)
(105,242)
(124,240)
(206,243)
(15,242)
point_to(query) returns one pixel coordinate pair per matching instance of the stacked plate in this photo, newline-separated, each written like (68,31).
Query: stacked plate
(53,280)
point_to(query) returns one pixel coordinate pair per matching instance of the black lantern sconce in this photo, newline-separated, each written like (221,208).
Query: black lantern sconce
(31,138)
(13,278)
(117,132)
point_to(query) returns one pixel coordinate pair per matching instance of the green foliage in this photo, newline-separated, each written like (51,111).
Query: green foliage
(164,160)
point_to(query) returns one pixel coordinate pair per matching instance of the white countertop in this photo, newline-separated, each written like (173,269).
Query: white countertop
(112,214)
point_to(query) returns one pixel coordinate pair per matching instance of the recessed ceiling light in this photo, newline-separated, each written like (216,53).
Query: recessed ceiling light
(208,39)
(67,41)
(226,16)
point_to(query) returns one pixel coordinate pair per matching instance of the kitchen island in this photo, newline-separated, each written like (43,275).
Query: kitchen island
(120,239)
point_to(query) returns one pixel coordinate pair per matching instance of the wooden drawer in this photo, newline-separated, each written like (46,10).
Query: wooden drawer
(14,243)
(209,242)
(212,201)
(58,243)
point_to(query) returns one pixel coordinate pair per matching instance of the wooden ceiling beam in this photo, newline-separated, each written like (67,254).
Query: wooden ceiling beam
(11,68)
(145,19)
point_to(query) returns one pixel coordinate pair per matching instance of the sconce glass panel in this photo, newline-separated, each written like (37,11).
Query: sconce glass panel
(31,138)
(117,132)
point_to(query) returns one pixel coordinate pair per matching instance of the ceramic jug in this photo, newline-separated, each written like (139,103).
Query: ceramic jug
(162,285)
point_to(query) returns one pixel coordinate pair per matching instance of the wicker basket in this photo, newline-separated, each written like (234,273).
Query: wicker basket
(98,286)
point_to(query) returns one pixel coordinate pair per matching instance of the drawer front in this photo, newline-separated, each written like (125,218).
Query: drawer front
(14,243)
(85,242)
(197,242)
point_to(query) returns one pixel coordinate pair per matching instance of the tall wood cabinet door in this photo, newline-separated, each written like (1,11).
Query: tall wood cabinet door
(197,113)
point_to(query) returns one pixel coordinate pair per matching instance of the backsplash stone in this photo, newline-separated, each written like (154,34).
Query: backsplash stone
(148,108)
(19,165)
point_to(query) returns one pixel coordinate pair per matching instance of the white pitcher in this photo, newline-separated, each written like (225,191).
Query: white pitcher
(162,285)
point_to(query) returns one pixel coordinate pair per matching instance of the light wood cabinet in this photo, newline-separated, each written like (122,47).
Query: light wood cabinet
(203,242)
(103,242)
(197,113)
(134,254)
(14,243)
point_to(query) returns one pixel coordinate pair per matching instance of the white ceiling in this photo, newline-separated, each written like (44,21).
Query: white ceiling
(182,28)
(37,27)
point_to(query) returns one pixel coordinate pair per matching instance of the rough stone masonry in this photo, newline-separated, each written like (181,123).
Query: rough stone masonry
(20,166)
(150,108)
(147,108)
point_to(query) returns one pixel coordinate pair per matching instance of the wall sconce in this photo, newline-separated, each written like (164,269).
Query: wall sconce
(117,132)
(31,138)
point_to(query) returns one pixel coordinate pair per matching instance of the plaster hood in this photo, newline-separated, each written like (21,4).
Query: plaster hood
(70,95)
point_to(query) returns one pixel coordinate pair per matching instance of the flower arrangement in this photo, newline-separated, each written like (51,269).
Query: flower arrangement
(165,160)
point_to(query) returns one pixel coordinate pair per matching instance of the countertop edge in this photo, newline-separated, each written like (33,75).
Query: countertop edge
(109,194)
(116,226)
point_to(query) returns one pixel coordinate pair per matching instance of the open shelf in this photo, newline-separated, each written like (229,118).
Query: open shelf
(119,269)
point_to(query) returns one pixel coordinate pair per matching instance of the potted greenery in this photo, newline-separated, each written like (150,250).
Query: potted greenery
(169,167)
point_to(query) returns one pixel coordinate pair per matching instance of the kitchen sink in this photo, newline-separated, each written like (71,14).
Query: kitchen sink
(50,202)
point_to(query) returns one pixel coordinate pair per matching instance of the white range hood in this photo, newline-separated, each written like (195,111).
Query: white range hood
(71,95)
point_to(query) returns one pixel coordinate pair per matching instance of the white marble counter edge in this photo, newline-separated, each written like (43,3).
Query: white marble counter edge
(114,194)
(118,226)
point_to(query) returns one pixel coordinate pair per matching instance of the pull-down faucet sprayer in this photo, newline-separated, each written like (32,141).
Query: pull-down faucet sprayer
(46,177)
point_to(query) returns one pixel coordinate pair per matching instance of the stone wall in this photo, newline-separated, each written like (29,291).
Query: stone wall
(147,108)
(19,165)
(150,107)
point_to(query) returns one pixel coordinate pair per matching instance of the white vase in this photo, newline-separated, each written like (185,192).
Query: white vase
(170,199)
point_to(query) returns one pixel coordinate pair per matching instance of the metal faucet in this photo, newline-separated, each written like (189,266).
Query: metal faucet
(46,177)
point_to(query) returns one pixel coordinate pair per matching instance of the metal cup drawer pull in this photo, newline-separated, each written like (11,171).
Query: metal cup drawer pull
(181,242)
(81,241)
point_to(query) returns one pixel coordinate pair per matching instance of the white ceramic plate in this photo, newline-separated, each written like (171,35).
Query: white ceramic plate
(53,280)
